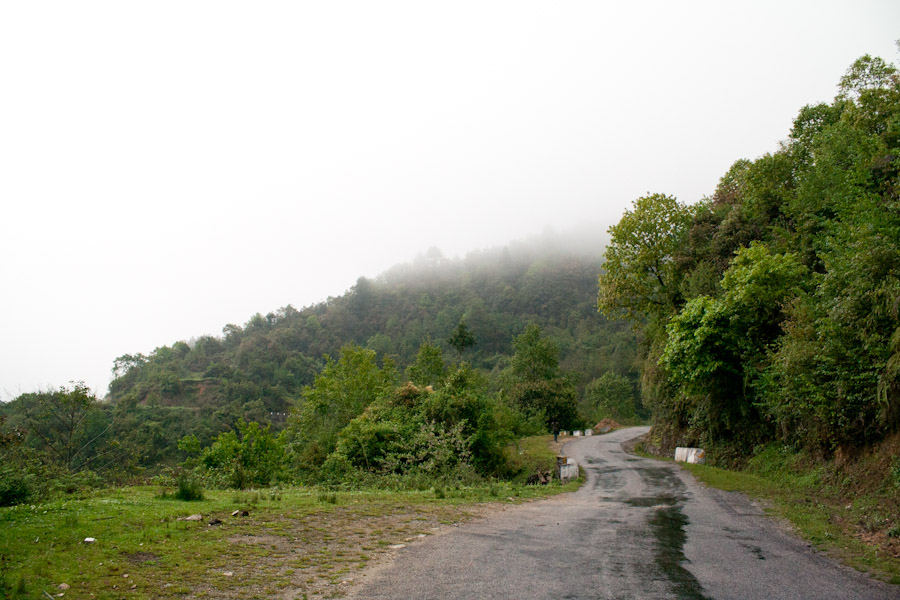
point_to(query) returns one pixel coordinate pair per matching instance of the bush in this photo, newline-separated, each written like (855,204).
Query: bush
(69,483)
(16,487)
(250,456)
(189,487)
(337,468)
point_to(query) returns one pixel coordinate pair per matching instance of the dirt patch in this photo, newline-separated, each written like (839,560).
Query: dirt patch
(141,557)
(885,543)
(321,555)
(606,425)
(255,539)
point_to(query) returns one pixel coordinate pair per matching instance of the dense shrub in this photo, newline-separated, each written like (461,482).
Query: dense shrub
(188,486)
(250,456)
(16,487)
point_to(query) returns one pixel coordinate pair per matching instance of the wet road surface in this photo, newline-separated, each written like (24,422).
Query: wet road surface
(638,528)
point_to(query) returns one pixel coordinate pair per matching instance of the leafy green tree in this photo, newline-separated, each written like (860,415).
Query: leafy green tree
(640,274)
(757,286)
(867,75)
(833,379)
(248,456)
(715,347)
(429,368)
(462,338)
(17,483)
(536,357)
(68,425)
(126,362)
(341,392)
(610,396)
(538,386)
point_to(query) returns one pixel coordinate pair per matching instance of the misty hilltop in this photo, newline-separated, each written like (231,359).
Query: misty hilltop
(257,370)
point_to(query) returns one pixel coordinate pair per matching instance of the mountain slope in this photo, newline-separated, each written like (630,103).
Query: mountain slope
(257,371)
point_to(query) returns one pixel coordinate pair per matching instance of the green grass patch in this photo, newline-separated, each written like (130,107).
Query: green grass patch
(143,549)
(529,454)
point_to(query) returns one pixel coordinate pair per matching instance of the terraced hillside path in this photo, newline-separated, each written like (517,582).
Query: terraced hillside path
(638,528)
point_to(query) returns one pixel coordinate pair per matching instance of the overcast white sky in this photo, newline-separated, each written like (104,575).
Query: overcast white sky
(170,167)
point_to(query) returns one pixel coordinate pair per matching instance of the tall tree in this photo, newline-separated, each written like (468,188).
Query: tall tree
(539,386)
(640,274)
(429,368)
(341,392)
(68,425)
(462,337)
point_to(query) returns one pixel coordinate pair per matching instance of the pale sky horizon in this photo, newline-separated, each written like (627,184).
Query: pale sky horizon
(167,168)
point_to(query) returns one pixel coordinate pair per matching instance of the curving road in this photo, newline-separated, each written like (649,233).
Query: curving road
(638,528)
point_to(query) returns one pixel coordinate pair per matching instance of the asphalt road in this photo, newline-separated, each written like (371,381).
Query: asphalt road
(638,528)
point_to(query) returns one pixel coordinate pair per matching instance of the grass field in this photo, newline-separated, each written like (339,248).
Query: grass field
(293,543)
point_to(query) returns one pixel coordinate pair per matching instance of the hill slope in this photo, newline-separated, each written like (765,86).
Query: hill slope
(256,371)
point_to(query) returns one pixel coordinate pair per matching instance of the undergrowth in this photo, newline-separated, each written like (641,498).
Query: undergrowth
(144,545)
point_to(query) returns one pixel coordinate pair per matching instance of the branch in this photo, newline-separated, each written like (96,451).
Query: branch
(94,439)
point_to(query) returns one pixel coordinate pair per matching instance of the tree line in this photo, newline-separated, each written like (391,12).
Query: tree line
(434,367)
(769,311)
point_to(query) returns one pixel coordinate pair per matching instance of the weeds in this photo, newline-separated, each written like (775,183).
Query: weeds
(189,488)
(251,498)
(326,498)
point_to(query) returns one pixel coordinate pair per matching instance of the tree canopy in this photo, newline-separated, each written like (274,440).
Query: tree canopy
(778,295)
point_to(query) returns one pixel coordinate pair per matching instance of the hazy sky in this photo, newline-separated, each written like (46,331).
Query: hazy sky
(170,167)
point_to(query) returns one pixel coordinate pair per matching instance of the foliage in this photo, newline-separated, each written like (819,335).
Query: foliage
(536,357)
(784,322)
(714,346)
(16,487)
(531,454)
(429,368)
(449,433)
(67,424)
(640,273)
(536,384)
(16,484)
(188,487)
(341,392)
(461,338)
(251,456)
(610,396)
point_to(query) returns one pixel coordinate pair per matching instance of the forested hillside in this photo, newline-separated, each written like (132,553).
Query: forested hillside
(771,308)
(258,368)
(463,315)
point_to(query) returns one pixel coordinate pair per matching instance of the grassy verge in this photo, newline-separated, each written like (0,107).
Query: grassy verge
(837,519)
(292,543)
(528,455)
